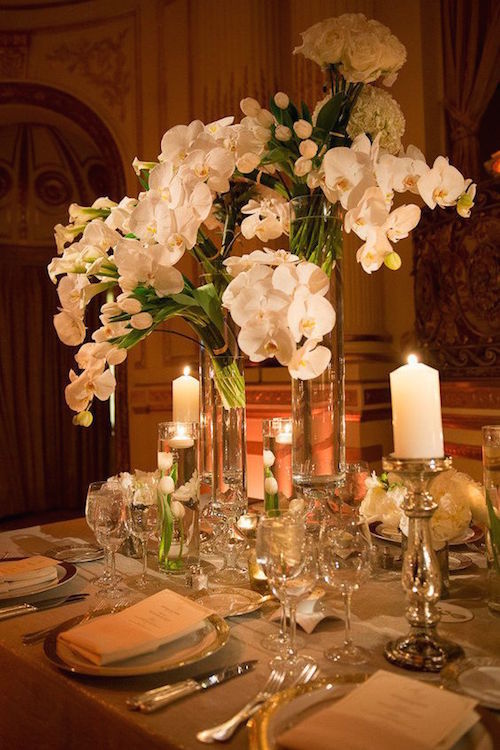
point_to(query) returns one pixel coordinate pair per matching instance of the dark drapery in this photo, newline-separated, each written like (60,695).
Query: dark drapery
(471,33)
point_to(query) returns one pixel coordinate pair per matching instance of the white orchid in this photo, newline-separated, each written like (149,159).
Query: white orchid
(265,337)
(213,166)
(309,361)
(69,327)
(267,219)
(92,382)
(348,172)
(119,215)
(177,142)
(442,184)
(310,316)
(71,292)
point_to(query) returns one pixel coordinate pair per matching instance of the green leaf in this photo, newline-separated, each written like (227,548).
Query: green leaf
(306,115)
(329,113)
(209,301)
(276,111)
(494,530)
(294,113)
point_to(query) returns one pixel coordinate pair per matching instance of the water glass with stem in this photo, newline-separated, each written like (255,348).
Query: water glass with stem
(344,562)
(109,509)
(283,549)
(144,521)
(90,509)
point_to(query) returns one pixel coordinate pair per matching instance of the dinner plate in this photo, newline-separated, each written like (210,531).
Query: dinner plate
(230,601)
(76,553)
(478,677)
(211,636)
(458,561)
(289,707)
(65,572)
(387,534)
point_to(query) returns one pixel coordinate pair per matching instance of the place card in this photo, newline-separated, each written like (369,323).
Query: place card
(139,629)
(388,710)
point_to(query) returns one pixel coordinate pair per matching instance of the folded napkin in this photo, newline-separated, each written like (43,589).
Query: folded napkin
(139,629)
(387,711)
(19,574)
(309,614)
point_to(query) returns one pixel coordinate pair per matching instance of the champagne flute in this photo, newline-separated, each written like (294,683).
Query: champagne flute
(344,561)
(144,522)
(284,552)
(109,527)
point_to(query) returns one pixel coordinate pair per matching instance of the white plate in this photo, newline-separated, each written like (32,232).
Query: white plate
(76,553)
(284,711)
(472,534)
(478,677)
(65,573)
(458,561)
(212,635)
(231,602)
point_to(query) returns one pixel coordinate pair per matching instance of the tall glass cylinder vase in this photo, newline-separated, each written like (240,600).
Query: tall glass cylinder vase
(318,404)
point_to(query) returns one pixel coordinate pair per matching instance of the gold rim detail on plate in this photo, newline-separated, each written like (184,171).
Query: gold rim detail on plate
(254,599)
(220,627)
(258,725)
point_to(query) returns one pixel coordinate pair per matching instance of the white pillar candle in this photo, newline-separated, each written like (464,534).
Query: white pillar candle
(181,439)
(285,437)
(416,411)
(186,398)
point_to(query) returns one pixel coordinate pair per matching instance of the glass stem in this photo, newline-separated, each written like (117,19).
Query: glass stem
(107,561)
(283,627)
(144,559)
(112,570)
(347,596)
(292,648)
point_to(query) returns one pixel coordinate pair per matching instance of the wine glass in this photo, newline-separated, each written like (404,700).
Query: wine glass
(144,522)
(344,561)
(90,509)
(283,549)
(107,512)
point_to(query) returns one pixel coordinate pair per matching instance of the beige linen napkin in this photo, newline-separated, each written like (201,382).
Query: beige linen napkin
(387,711)
(19,574)
(140,629)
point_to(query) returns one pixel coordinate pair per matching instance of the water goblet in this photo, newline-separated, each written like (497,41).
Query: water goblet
(110,529)
(144,522)
(283,549)
(344,562)
(90,511)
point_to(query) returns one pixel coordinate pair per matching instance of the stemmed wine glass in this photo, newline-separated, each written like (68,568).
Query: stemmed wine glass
(105,513)
(285,552)
(144,522)
(344,561)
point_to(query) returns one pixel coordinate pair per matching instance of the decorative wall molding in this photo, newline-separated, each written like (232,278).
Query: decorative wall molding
(13,55)
(103,63)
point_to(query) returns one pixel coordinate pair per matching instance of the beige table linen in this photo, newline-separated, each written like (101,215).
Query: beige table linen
(42,708)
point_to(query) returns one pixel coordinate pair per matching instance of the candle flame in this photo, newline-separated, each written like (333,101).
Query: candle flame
(288,427)
(412,359)
(187,370)
(181,430)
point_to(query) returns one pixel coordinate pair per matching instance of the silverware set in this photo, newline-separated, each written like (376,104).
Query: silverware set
(15,610)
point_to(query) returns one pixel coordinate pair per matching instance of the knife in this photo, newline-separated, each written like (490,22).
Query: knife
(154,699)
(24,609)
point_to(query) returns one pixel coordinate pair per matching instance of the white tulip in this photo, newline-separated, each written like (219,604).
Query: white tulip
(178,509)
(308,149)
(248,162)
(250,107)
(141,321)
(282,133)
(281,100)
(165,460)
(116,356)
(269,459)
(265,118)
(128,304)
(302,166)
(302,128)
(270,486)
(166,485)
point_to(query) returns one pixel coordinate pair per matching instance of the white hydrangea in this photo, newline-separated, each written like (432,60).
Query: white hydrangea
(377,112)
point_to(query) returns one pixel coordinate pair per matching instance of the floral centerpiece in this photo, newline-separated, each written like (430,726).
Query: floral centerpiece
(215,182)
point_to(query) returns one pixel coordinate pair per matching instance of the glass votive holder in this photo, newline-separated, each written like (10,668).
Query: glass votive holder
(277,444)
(257,577)
(178,496)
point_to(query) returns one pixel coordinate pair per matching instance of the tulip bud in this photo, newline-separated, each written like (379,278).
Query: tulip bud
(83,419)
(308,149)
(392,261)
(166,485)
(248,162)
(165,461)
(303,129)
(268,459)
(281,100)
(129,305)
(250,107)
(271,486)
(116,356)
(282,133)
(141,321)
(178,510)
(265,118)
(302,166)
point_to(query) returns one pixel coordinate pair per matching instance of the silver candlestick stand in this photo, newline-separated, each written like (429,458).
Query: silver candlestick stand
(422,649)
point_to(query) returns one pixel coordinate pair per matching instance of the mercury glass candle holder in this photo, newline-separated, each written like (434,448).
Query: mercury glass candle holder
(178,496)
(422,649)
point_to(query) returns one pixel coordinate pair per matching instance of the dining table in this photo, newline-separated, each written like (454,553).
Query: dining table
(43,707)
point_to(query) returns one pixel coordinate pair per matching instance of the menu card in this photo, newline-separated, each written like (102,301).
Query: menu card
(18,574)
(139,629)
(387,711)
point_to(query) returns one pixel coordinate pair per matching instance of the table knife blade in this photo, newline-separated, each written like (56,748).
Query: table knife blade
(25,608)
(157,698)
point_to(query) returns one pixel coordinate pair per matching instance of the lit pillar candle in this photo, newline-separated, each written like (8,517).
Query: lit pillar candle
(186,398)
(285,437)
(416,411)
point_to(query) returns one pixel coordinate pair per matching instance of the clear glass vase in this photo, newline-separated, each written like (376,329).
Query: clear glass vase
(318,406)
(178,496)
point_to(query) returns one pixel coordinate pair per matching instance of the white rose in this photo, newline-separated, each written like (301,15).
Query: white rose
(165,460)
(302,166)
(302,128)
(250,107)
(268,459)
(308,149)
(281,100)
(166,485)
(362,58)
(271,486)
(282,133)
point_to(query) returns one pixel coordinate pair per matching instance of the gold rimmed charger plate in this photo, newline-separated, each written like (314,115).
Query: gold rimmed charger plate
(277,714)
(211,636)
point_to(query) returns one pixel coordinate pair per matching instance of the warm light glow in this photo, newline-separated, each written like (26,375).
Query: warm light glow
(181,430)
(288,427)
(412,359)
(187,370)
